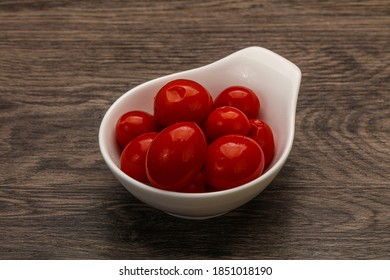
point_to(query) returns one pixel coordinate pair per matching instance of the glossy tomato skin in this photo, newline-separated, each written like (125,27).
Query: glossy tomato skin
(262,133)
(233,160)
(176,156)
(240,97)
(226,120)
(198,184)
(133,157)
(132,124)
(182,101)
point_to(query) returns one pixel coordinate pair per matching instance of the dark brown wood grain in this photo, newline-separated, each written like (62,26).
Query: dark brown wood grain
(62,63)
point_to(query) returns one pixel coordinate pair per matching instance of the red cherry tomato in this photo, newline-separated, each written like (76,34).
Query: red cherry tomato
(132,124)
(182,101)
(198,185)
(226,120)
(262,134)
(176,156)
(233,160)
(240,97)
(134,155)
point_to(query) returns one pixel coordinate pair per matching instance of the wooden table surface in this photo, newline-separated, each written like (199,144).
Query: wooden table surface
(63,63)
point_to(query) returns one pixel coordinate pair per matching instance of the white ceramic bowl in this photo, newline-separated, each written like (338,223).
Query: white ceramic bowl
(275,80)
